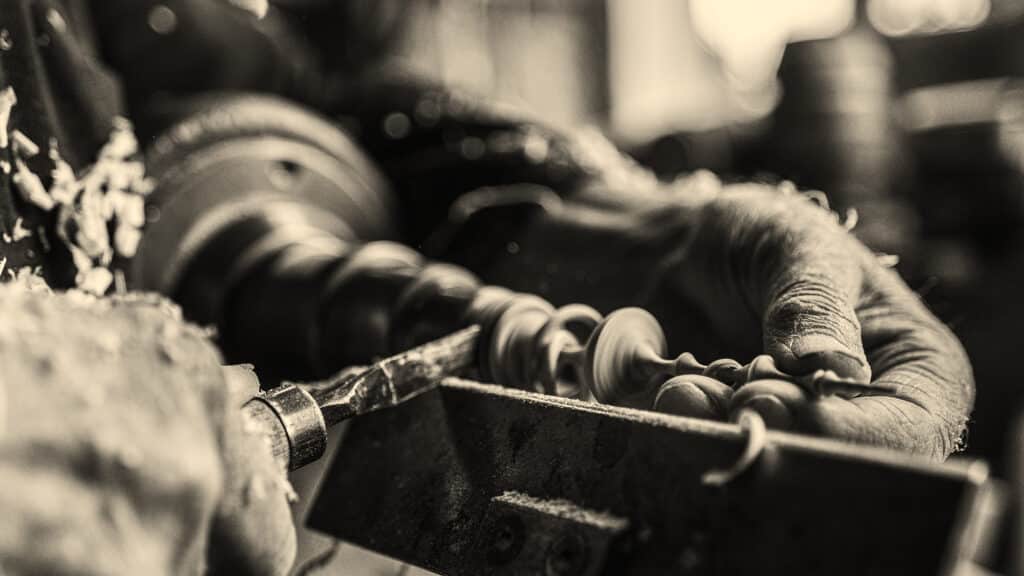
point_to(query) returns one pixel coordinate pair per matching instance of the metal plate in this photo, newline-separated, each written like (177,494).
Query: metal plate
(426,482)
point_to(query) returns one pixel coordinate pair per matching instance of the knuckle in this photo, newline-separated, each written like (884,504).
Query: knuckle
(785,391)
(809,305)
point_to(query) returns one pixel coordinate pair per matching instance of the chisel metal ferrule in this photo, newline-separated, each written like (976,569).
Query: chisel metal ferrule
(302,421)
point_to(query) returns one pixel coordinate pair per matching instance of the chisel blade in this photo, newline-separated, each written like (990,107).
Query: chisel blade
(393,380)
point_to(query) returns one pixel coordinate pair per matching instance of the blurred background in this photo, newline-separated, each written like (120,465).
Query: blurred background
(909,111)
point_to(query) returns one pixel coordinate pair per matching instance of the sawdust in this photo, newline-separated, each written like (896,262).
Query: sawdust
(31,186)
(99,213)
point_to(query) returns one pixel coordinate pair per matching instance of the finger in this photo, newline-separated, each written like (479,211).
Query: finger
(912,353)
(918,357)
(253,531)
(778,402)
(806,283)
(242,383)
(695,396)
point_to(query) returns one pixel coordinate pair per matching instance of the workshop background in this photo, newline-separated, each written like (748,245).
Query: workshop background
(910,112)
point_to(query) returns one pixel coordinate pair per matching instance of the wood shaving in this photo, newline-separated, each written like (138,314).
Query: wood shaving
(7,101)
(596,154)
(701,185)
(256,7)
(64,186)
(31,187)
(851,220)
(20,232)
(98,214)
(888,260)
(818,197)
(29,279)
(44,242)
(126,240)
(96,281)
(102,212)
(23,145)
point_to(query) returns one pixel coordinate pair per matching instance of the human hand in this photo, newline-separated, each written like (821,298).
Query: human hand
(123,449)
(742,270)
(774,264)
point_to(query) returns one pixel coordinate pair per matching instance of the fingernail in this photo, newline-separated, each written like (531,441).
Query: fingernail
(723,369)
(683,397)
(775,414)
(821,352)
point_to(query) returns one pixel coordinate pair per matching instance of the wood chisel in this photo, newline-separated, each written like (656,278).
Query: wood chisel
(296,416)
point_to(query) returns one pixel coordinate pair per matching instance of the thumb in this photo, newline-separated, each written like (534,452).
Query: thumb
(812,286)
(242,383)
(253,531)
(812,326)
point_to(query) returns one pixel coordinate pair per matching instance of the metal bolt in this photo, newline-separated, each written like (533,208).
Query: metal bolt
(567,555)
(507,540)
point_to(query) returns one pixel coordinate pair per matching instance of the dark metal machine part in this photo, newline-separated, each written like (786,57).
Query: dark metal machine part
(477,479)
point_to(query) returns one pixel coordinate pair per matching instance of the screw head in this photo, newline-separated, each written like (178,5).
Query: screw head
(567,555)
(506,540)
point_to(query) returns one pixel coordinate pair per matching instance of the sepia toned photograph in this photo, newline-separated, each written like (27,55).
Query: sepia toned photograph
(511,287)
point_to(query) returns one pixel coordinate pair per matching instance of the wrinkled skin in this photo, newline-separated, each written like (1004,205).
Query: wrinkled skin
(741,270)
(123,449)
